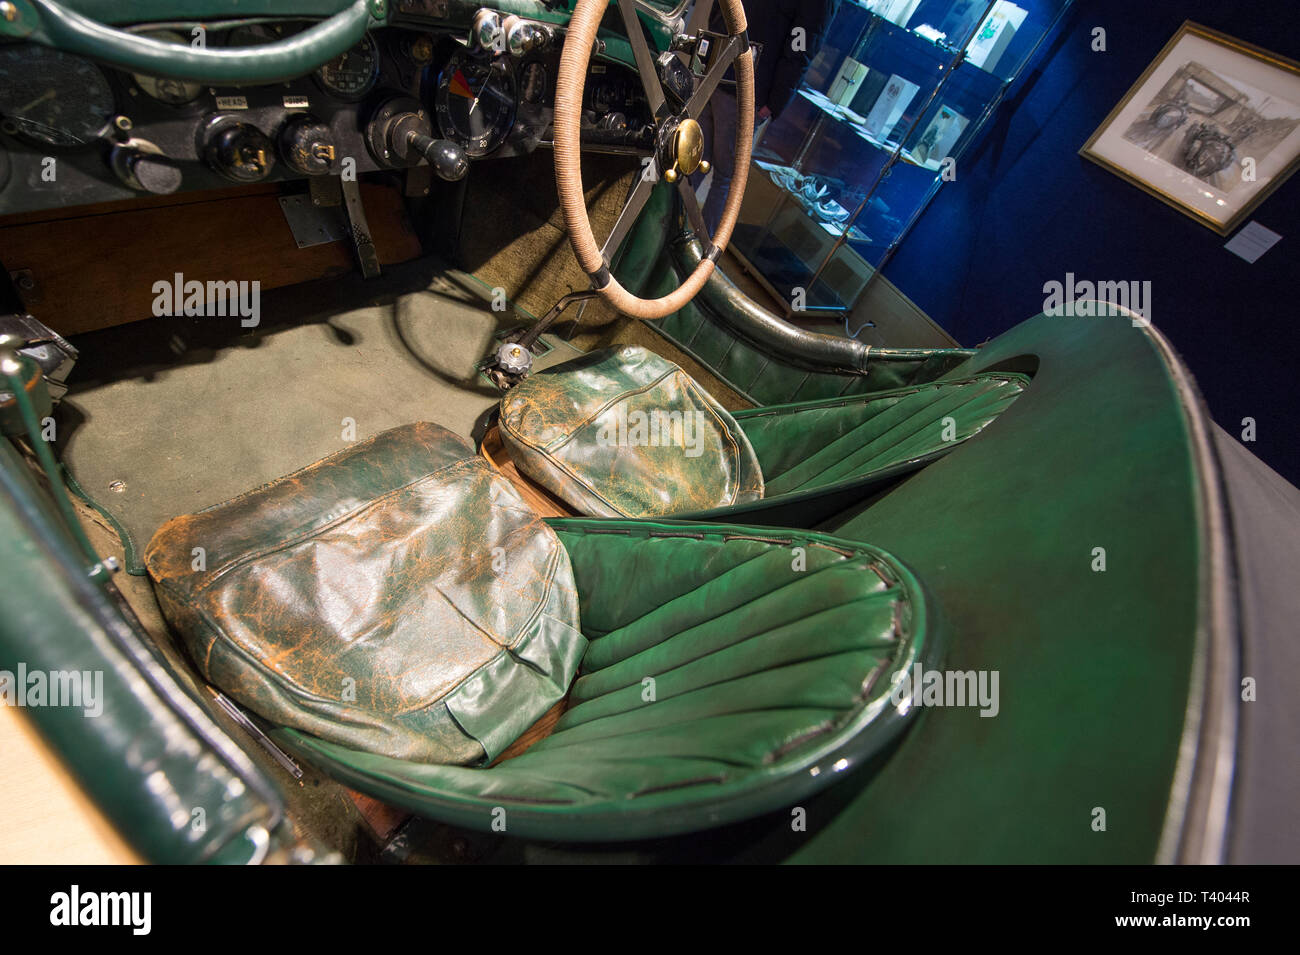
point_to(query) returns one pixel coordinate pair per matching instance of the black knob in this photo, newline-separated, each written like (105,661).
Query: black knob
(447,158)
(307,145)
(240,152)
(154,175)
(146,171)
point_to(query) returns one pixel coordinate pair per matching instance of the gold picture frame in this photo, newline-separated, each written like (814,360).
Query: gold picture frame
(1210,128)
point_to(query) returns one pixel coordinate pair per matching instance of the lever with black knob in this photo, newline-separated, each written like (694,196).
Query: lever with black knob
(447,158)
(399,137)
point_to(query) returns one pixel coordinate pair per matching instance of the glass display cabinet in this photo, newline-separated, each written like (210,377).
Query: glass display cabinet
(897,91)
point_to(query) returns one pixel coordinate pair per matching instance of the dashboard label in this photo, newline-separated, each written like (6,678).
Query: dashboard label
(296,102)
(233,102)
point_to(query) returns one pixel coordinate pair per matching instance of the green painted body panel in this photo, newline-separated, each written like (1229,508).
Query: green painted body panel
(1095,666)
(138,745)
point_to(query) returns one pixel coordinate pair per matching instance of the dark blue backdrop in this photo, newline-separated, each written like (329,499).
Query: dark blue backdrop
(1026,209)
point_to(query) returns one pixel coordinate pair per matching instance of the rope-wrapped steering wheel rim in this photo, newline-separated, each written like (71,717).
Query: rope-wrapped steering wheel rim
(574,60)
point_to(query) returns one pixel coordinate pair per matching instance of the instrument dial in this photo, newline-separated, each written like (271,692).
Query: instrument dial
(353,74)
(475,104)
(165,90)
(55,98)
(532,83)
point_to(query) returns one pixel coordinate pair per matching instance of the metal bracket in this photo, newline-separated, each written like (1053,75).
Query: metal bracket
(311,223)
(325,190)
(367,255)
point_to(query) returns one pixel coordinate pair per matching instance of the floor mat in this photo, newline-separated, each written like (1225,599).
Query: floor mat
(171,415)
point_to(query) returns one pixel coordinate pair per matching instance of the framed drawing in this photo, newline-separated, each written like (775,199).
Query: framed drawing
(1211,128)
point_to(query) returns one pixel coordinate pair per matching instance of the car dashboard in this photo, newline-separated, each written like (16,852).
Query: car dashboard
(75,132)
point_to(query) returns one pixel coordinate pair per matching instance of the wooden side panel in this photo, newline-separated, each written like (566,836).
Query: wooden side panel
(535,496)
(96,268)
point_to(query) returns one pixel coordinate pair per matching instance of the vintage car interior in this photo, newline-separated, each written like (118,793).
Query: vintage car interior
(427,484)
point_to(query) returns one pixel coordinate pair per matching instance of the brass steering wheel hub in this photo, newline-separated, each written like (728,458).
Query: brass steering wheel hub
(686,151)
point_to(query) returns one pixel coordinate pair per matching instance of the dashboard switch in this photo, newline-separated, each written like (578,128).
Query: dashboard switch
(307,145)
(238,151)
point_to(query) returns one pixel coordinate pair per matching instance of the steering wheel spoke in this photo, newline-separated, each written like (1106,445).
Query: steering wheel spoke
(631,212)
(694,215)
(695,105)
(645,62)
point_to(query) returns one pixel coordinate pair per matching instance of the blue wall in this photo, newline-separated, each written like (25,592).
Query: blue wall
(1026,209)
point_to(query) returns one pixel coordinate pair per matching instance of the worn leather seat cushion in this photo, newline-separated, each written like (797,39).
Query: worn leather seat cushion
(397,597)
(625,433)
(570,429)
(730,671)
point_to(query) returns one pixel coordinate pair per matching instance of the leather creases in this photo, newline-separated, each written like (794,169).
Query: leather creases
(397,597)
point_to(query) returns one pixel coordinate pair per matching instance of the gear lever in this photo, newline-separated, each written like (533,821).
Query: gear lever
(399,137)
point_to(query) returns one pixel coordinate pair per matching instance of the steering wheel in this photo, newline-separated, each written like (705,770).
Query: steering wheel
(679,145)
(54,24)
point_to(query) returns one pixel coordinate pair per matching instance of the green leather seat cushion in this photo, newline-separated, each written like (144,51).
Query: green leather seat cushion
(625,433)
(368,599)
(562,430)
(730,671)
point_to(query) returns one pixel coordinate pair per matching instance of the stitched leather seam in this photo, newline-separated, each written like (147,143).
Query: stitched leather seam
(583,422)
(854,430)
(728,572)
(687,381)
(253,657)
(723,613)
(897,647)
(872,556)
(556,741)
(342,452)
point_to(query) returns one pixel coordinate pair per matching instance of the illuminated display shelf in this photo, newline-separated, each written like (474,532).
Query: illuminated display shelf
(879,123)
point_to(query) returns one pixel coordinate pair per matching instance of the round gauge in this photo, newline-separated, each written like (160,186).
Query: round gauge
(169,91)
(55,98)
(353,74)
(532,83)
(604,96)
(475,103)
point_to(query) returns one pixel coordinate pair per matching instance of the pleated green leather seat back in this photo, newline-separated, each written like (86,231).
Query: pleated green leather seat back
(815,444)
